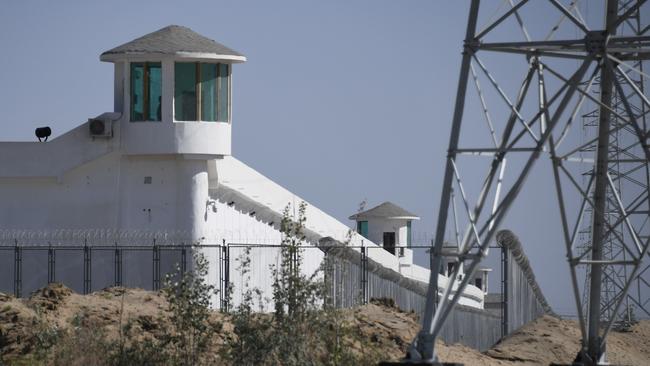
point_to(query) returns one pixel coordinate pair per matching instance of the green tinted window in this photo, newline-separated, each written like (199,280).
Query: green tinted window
(362,228)
(211,82)
(137,92)
(155,92)
(224,92)
(185,103)
(208,92)
(146,91)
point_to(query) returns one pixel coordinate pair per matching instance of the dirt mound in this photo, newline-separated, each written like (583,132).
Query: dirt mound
(389,331)
(16,327)
(49,297)
(552,340)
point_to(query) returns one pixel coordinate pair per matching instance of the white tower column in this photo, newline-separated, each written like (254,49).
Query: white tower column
(192,198)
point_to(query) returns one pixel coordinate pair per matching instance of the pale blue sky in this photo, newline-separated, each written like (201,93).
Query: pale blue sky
(340,101)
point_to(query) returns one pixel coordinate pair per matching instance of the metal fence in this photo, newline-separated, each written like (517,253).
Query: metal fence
(87,268)
(523,300)
(351,276)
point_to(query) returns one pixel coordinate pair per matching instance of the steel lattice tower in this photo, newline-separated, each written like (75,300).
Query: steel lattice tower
(623,163)
(567,68)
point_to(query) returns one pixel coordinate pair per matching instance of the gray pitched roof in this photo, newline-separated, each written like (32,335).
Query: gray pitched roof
(385,210)
(173,40)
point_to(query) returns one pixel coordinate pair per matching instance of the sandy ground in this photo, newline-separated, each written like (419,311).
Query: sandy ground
(541,342)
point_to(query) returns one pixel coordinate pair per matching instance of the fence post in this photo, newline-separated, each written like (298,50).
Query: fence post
(118,266)
(18,270)
(183,258)
(327,276)
(225,276)
(504,291)
(220,279)
(87,268)
(364,275)
(431,268)
(156,266)
(51,264)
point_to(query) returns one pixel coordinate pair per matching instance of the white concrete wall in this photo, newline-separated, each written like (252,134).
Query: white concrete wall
(210,139)
(378,226)
(110,193)
(86,197)
(250,191)
(235,227)
(56,157)
(138,195)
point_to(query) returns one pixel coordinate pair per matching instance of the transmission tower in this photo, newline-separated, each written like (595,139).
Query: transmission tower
(624,163)
(559,68)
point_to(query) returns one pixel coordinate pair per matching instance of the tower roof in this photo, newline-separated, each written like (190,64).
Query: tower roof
(386,210)
(174,40)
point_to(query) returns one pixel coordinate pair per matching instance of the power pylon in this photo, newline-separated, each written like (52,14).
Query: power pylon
(560,65)
(628,169)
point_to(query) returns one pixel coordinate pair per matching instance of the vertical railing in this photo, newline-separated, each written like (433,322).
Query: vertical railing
(183,259)
(156,266)
(363,275)
(51,264)
(87,268)
(432,261)
(18,270)
(504,291)
(220,253)
(225,277)
(118,265)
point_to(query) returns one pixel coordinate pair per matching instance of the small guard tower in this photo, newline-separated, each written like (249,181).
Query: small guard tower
(386,224)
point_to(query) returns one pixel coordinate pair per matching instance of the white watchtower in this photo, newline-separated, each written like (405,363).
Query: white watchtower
(387,224)
(173,91)
(174,77)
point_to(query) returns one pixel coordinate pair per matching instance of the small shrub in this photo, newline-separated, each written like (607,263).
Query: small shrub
(303,330)
(248,344)
(188,295)
(84,344)
(45,337)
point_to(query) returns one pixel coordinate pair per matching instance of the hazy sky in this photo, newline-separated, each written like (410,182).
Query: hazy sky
(340,101)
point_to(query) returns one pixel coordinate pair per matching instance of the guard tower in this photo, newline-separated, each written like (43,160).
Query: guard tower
(173,96)
(166,82)
(386,224)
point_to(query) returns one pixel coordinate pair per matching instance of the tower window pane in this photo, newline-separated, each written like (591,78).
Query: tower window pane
(201,92)
(185,102)
(362,228)
(146,91)
(224,92)
(137,92)
(155,92)
(208,92)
